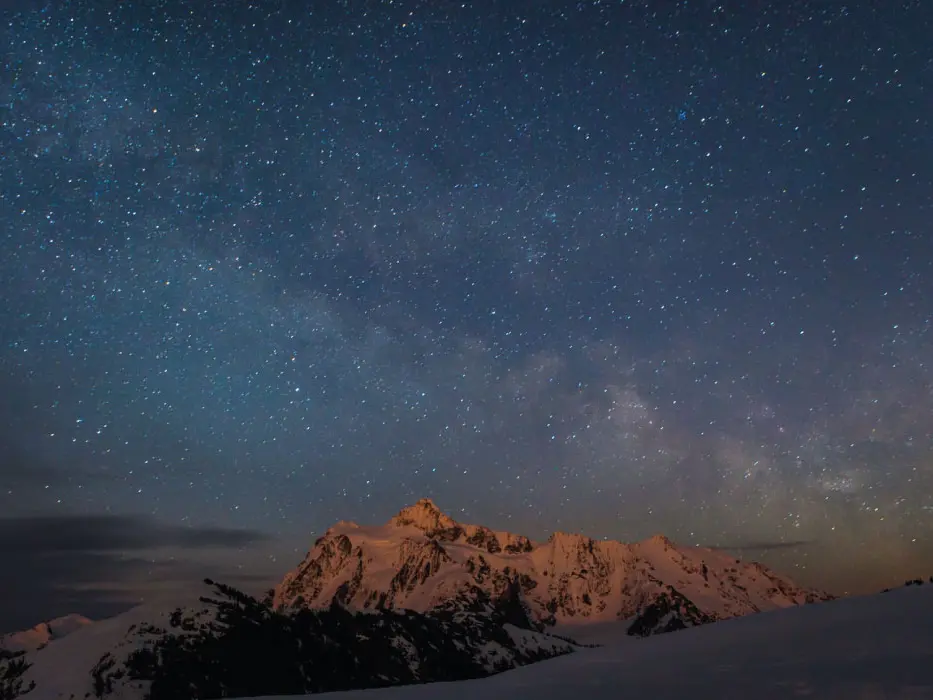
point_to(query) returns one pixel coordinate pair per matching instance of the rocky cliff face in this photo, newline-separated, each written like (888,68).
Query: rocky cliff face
(424,560)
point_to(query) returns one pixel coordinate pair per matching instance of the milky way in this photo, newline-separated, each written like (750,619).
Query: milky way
(619,268)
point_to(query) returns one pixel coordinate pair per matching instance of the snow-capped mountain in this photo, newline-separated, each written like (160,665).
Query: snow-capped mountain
(37,637)
(421,598)
(424,560)
(227,643)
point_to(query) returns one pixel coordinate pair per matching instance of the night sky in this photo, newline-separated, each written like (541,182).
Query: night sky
(611,267)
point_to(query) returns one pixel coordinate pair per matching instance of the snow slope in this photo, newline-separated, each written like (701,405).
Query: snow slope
(877,646)
(229,643)
(43,633)
(422,559)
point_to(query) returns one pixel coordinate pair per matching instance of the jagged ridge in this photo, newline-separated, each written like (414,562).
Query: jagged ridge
(423,559)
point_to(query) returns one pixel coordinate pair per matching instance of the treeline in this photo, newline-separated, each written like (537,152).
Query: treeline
(910,582)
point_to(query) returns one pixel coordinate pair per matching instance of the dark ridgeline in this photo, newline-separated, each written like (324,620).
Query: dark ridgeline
(910,582)
(243,648)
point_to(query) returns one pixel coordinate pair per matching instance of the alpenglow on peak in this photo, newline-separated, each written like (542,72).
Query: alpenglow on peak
(424,515)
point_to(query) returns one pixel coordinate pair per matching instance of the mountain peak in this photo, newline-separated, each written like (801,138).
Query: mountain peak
(661,540)
(424,515)
(37,637)
(422,559)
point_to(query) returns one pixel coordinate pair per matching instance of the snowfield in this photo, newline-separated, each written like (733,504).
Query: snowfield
(864,648)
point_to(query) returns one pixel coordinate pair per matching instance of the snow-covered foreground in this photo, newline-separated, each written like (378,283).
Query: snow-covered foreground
(853,649)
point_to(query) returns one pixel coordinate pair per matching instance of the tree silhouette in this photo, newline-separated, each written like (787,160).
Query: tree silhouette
(12,667)
(242,647)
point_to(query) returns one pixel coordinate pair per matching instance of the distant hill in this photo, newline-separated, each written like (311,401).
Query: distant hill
(43,633)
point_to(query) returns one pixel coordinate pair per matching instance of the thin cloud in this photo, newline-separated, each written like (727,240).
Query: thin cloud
(103,533)
(763,546)
(101,565)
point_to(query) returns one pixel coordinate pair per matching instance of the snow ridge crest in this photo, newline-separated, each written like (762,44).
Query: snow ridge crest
(424,560)
(424,515)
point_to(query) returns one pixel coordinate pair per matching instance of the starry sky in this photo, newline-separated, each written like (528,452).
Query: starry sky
(612,267)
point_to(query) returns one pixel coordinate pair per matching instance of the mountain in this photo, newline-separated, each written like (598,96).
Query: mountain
(43,633)
(226,643)
(422,598)
(423,560)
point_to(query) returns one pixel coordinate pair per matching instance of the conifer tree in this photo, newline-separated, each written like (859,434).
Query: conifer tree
(12,668)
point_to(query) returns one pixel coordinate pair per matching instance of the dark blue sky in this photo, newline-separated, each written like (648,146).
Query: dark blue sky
(619,267)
